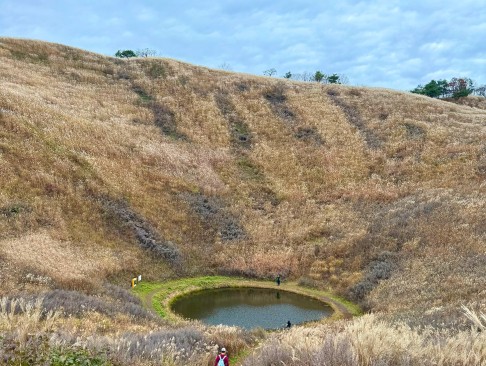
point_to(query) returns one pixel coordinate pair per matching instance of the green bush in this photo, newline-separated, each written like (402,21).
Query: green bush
(455,88)
(319,76)
(125,54)
(78,357)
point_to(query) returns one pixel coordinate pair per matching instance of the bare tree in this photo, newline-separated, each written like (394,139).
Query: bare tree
(305,76)
(270,72)
(146,52)
(225,66)
(481,91)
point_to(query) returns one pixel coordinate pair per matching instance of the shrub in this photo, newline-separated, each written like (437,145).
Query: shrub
(147,237)
(14,209)
(276,95)
(319,76)
(277,98)
(379,269)
(156,70)
(234,339)
(72,303)
(239,130)
(215,215)
(74,356)
(309,134)
(125,54)
(308,282)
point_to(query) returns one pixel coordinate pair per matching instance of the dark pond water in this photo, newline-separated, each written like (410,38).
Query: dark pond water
(250,307)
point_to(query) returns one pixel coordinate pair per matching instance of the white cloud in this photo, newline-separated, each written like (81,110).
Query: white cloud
(436,46)
(145,14)
(390,43)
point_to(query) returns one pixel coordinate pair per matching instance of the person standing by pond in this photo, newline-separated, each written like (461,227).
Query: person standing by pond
(222,359)
(278,280)
(289,324)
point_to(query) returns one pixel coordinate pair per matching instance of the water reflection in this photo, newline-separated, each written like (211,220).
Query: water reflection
(251,307)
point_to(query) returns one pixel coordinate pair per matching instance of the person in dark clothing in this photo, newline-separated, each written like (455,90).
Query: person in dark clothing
(289,324)
(222,358)
(278,280)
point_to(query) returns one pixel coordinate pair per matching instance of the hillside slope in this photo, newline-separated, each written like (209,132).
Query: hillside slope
(110,168)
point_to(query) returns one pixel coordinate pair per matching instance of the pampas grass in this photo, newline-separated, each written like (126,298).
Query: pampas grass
(370,341)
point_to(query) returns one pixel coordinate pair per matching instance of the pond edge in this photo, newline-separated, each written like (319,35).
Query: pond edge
(159,296)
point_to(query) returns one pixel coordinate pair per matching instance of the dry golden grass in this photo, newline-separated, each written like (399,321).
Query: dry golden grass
(371,341)
(30,333)
(368,340)
(61,261)
(333,177)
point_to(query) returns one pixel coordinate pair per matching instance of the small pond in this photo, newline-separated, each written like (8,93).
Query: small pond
(249,307)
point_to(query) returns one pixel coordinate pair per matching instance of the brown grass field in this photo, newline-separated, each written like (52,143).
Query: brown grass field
(110,168)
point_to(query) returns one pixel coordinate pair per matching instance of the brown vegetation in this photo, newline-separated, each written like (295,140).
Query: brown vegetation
(369,341)
(110,168)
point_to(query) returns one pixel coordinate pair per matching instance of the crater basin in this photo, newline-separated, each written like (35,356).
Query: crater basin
(250,307)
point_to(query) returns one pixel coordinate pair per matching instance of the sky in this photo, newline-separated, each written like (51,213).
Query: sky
(395,44)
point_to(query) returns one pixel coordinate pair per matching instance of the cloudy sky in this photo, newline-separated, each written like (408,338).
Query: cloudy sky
(395,44)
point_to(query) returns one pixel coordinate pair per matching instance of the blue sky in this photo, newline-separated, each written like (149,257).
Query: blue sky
(395,44)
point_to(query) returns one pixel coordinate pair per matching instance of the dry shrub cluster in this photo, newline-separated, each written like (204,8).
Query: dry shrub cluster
(277,99)
(371,341)
(260,263)
(109,301)
(234,339)
(216,217)
(354,117)
(74,303)
(30,334)
(238,129)
(146,236)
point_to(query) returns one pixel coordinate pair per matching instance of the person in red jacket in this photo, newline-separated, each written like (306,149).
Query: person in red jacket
(222,358)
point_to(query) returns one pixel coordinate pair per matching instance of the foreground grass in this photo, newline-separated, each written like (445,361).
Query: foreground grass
(30,336)
(369,341)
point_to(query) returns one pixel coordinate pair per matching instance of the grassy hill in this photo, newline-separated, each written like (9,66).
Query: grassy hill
(110,168)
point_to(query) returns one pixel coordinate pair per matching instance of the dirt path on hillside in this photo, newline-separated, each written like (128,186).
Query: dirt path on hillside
(343,311)
(346,314)
(147,300)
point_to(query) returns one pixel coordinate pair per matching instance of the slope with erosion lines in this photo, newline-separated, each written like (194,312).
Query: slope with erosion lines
(328,183)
